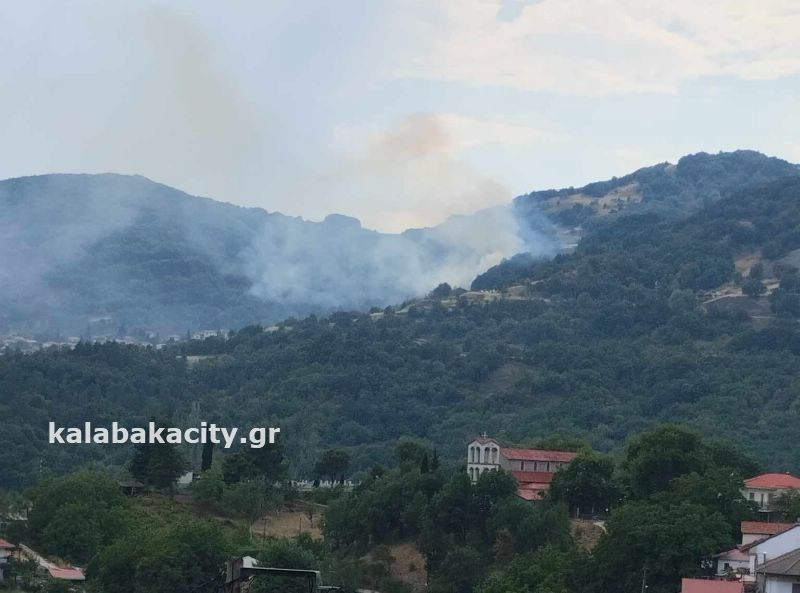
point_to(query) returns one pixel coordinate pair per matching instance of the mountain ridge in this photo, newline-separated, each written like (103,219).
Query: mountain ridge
(152,258)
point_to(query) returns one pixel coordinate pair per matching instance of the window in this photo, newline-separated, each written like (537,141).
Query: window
(796,588)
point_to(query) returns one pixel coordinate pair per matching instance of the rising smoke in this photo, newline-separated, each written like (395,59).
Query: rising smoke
(336,264)
(400,175)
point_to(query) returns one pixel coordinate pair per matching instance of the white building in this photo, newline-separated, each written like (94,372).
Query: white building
(533,468)
(764,489)
(772,547)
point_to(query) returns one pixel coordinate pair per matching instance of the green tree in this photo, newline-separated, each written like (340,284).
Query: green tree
(209,488)
(753,288)
(76,515)
(332,464)
(666,541)
(788,505)
(718,489)
(462,569)
(180,556)
(657,457)
(441,291)
(586,484)
(157,464)
(547,570)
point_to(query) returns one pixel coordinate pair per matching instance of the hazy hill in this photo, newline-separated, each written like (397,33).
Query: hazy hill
(113,255)
(100,254)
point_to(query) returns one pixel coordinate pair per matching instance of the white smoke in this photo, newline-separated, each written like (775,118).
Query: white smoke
(398,176)
(337,264)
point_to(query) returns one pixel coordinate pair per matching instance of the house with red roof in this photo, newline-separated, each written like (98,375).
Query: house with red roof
(533,468)
(734,563)
(753,531)
(765,488)
(66,573)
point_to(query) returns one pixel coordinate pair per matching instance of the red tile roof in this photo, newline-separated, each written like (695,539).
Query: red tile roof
(530,494)
(532,491)
(537,455)
(533,477)
(66,574)
(734,554)
(5,545)
(764,528)
(773,481)
(711,586)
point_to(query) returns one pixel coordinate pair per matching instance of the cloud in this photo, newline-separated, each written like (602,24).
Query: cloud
(593,47)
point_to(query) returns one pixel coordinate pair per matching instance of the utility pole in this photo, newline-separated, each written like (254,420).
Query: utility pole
(644,579)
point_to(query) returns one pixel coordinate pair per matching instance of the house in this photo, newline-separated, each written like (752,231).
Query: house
(746,560)
(781,574)
(772,547)
(6,551)
(764,489)
(533,468)
(733,562)
(711,586)
(753,531)
(66,574)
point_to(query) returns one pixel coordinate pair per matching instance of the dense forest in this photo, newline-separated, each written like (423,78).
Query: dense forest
(671,500)
(621,334)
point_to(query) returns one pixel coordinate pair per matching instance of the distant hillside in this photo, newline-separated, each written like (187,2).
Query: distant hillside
(665,190)
(112,255)
(95,255)
(695,181)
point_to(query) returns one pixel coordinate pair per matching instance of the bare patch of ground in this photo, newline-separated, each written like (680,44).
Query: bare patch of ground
(745,262)
(404,562)
(288,524)
(587,533)
(409,565)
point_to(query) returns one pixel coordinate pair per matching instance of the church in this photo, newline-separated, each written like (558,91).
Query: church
(533,468)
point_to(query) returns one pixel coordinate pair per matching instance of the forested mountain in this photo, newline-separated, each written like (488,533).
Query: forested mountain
(654,317)
(112,255)
(115,255)
(673,190)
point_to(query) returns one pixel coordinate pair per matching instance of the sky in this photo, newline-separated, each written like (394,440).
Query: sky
(401,113)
